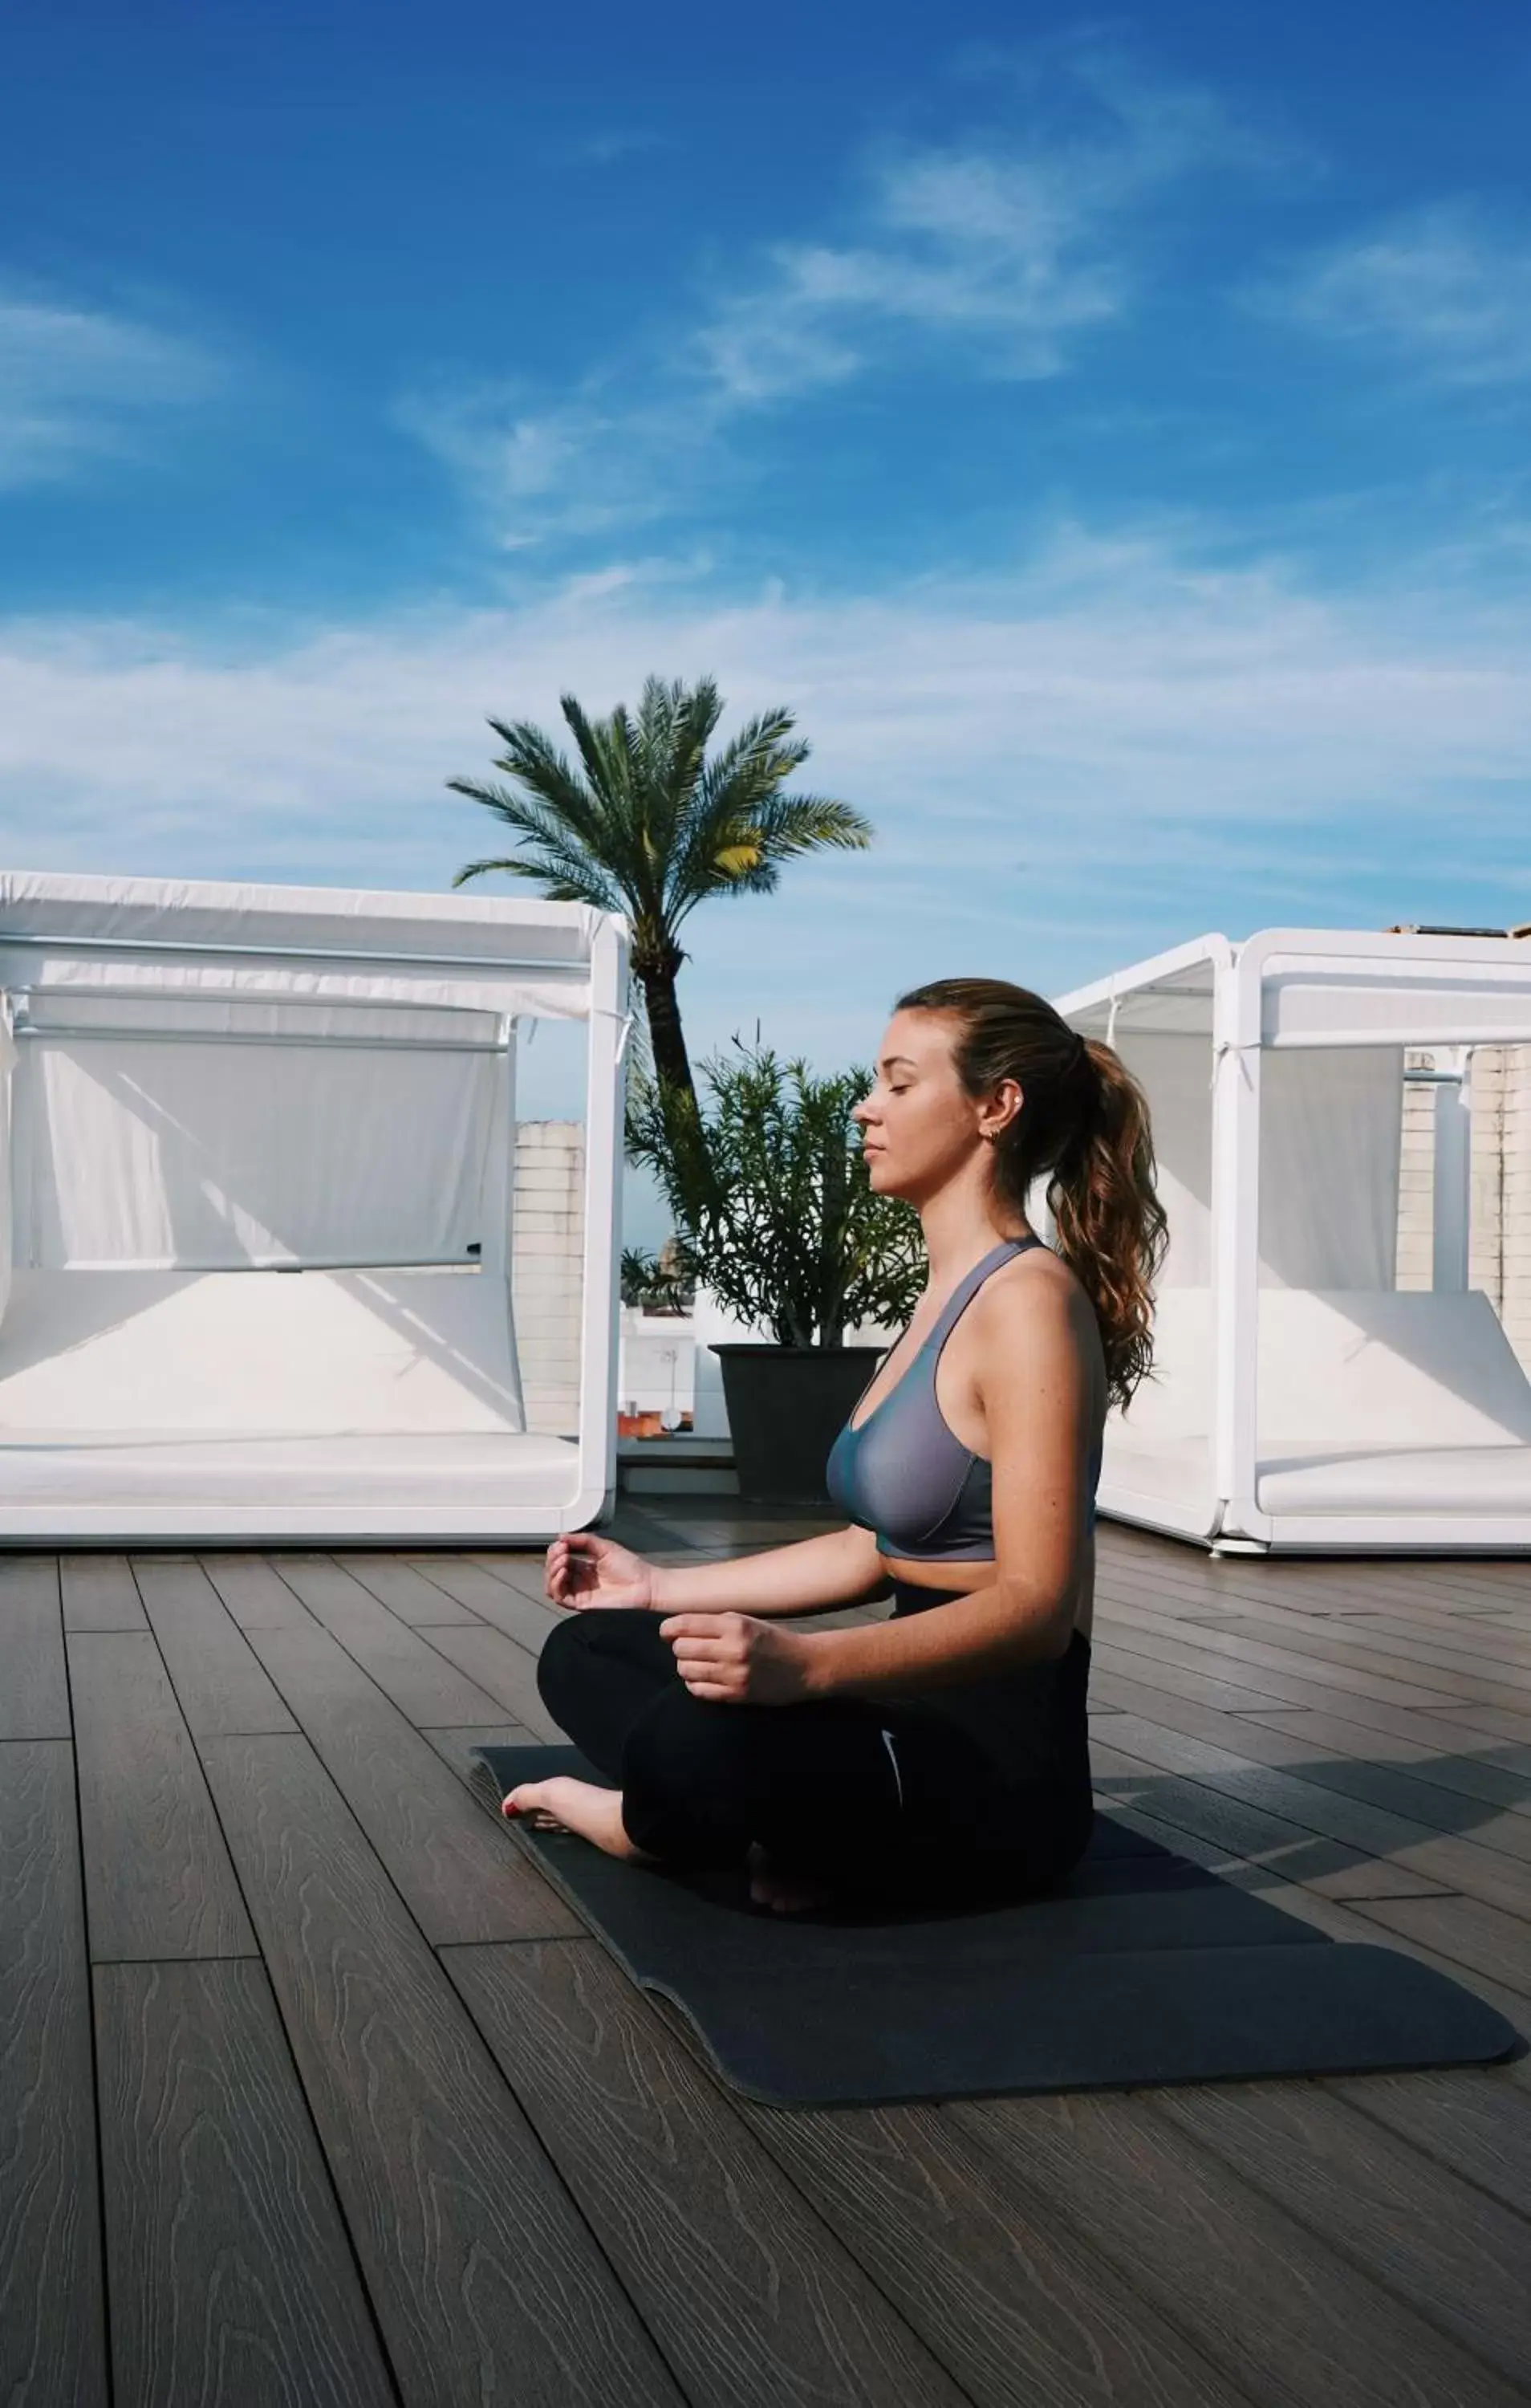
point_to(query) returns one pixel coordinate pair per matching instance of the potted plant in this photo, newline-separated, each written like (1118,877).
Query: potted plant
(787,1232)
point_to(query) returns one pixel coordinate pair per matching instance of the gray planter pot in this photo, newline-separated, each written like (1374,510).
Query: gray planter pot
(785,1408)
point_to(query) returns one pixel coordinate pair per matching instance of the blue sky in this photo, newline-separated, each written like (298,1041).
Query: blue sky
(1109,433)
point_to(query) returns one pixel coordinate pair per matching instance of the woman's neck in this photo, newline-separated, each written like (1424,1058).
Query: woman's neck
(958,1235)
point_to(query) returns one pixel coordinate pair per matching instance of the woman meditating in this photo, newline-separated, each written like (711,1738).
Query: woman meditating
(943,1752)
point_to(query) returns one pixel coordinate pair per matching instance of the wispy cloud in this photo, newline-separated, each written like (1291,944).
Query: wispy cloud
(609,150)
(999,254)
(584,465)
(78,383)
(1445,290)
(1012,244)
(1095,753)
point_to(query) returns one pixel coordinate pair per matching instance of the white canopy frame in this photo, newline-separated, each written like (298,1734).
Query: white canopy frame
(1344,995)
(89,964)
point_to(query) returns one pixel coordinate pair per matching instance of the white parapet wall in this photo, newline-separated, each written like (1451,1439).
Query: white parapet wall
(657,1362)
(548,1233)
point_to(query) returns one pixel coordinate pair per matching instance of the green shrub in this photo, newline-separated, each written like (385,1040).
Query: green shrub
(785,1227)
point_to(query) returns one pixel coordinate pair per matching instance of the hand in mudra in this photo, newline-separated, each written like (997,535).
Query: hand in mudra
(735,1659)
(583,1571)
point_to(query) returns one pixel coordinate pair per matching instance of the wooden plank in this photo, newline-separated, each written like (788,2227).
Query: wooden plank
(1247,1832)
(461,1879)
(217,1677)
(1276,2308)
(1439,1860)
(493,1600)
(505,1674)
(1496,1777)
(1110,1653)
(231,2279)
(33,1683)
(52,2322)
(753,2299)
(404,1591)
(1497,1721)
(484,2278)
(1307,1588)
(1466,1585)
(1152,1633)
(523,1568)
(1444,1666)
(100,1594)
(1458,2257)
(1483,1936)
(1331,1916)
(254,1592)
(1473,2121)
(1017,2305)
(158,1881)
(1291,1750)
(1191,1645)
(425,1688)
(1476,1692)
(1483,1645)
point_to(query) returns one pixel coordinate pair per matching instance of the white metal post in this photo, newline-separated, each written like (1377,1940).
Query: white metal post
(605,1088)
(1235,1242)
(1452,1184)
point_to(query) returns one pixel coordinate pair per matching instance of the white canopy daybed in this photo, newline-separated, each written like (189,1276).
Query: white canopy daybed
(256,1151)
(1301,1400)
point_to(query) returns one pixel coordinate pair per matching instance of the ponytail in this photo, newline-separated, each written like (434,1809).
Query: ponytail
(1083,1124)
(1110,1221)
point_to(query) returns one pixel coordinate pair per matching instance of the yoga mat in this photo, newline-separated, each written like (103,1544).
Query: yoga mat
(1144,1970)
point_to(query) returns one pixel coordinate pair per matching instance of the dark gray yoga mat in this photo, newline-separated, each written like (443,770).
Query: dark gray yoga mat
(1145,1969)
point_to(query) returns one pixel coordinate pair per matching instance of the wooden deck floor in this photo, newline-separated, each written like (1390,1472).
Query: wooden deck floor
(311,2091)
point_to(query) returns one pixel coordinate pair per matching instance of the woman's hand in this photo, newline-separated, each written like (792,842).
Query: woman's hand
(584,1570)
(734,1659)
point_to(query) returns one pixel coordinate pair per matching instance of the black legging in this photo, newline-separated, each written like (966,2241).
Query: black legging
(974,1788)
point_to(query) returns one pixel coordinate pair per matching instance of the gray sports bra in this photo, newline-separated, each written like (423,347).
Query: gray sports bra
(904,1474)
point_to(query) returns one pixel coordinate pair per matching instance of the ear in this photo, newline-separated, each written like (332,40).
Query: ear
(1002,1110)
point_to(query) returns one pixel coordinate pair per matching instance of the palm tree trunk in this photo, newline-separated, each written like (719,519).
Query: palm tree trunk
(672,1064)
(673,1079)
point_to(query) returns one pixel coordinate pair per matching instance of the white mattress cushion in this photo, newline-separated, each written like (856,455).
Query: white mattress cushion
(305,1354)
(1401,1481)
(186,1470)
(1344,1370)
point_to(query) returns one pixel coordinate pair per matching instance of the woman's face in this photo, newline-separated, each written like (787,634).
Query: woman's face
(918,1126)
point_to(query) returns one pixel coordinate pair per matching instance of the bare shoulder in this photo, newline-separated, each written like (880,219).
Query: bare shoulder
(1033,1305)
(1035,1289)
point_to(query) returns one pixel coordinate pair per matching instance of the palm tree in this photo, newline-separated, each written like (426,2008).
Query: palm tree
(650,826)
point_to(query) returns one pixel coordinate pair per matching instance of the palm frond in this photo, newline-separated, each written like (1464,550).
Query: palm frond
(643,820)
(803,823)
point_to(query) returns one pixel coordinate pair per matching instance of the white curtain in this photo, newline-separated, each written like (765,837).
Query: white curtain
(204,1154)
(8,1066)
(1331,1131)
(1176,1074)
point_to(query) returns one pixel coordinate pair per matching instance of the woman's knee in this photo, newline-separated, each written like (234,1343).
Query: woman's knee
(615,1650)
(560,1662)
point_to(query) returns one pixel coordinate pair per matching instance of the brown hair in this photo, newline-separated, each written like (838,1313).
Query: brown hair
(1084,1121)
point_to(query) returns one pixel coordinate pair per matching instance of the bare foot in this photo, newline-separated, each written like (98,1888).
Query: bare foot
(565,1804)
(783,1893)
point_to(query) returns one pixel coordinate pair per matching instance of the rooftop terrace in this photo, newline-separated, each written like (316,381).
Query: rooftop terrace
(312,2091)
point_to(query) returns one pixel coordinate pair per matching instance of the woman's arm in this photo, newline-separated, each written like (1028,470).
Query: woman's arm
(1036,1376)
(811,1576)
